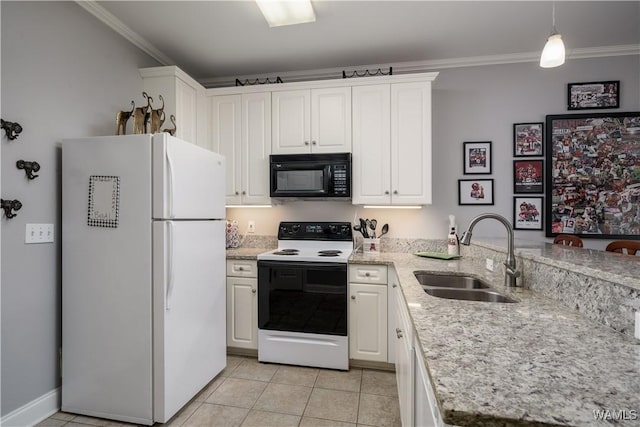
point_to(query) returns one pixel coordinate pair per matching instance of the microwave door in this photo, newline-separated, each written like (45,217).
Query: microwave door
(299,180)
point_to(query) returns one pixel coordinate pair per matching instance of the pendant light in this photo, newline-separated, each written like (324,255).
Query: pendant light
(553,52)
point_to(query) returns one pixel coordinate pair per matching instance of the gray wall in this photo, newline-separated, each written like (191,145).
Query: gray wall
(474,104)
(64,74)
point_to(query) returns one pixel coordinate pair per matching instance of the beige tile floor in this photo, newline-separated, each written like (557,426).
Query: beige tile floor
(249,393)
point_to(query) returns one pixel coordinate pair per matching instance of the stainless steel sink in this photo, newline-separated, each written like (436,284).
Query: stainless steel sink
(484,295)
(449,281)
(465,288)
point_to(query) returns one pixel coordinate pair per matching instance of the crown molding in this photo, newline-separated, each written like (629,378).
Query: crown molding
(119,27)
(425,66)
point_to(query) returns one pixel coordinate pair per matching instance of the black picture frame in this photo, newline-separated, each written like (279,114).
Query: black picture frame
(528,176)
(593,95)
(528,139)
(475,192)
(592,183)
(528,213)
(477,158)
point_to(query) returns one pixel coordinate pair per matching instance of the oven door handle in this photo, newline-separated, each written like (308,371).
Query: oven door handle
(306,265)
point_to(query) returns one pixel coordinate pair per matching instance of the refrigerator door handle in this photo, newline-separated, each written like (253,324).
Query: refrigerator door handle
(170,189)
(170,265)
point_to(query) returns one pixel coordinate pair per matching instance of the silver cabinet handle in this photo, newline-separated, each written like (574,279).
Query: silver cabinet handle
(395,191)
(367,274)
(237,193)
(353,297)
(386,192)
(244,193)
(395,286)
(398,333)
(313,142)
(306,143)
(240,268)
(253,291)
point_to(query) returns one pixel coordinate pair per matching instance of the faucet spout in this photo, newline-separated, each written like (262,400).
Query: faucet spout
(511,273)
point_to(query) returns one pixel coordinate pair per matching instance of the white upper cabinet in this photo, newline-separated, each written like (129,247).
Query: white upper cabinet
(241,131)
(411,143)
(392,144)
(183,98)
(311,121)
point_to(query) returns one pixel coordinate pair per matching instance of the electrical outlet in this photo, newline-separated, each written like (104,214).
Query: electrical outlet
(489,264)
(637,334)
(38,233)
(251,227)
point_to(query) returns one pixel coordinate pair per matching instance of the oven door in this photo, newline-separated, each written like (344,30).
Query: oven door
(300,179)
(304,297)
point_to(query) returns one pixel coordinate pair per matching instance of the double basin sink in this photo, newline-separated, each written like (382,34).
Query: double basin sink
(465,288)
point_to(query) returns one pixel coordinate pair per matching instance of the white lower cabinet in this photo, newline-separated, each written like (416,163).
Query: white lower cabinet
(242,305)
(425,407)
(404,360)
(368,322)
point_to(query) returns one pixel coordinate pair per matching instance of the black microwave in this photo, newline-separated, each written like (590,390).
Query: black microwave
(310,175)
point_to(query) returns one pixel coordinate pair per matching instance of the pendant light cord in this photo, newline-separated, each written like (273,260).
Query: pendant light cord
(553,18)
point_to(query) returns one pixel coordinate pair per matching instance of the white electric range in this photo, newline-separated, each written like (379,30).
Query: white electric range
(302,296)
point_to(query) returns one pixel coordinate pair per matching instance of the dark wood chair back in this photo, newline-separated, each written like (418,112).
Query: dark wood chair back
(568,240)
(620,246)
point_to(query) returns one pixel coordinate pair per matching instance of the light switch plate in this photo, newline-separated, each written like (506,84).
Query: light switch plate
(38,233)
(489,264)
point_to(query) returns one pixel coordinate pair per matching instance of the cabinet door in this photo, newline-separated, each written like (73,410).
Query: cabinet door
(371,160)
(186,112)
(256,147)
(411,143)
(242,312)
(392,290)
(331,120)
(291,119)
(368,322)
(425,406)
(404,361)
(226,130)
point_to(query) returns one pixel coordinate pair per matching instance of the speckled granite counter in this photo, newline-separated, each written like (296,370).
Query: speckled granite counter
(534,362)
(245,253)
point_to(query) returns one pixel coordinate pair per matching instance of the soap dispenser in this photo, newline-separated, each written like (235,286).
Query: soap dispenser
(453,247)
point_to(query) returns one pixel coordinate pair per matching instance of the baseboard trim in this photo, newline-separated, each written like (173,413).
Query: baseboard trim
(368,364)
(237,351)
(33,412)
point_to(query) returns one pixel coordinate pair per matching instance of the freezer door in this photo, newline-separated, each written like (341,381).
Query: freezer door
(188,181)
(106,282)
(189,311)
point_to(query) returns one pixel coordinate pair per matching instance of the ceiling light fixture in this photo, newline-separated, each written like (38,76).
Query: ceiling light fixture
(553,52)
(286,12)
(391,207)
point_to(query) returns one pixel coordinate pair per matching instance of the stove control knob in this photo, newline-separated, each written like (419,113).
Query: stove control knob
(295,228)
(333,229)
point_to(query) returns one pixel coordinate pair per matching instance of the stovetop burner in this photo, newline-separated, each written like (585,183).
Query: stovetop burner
(286,252)
(290,250)
(329,252)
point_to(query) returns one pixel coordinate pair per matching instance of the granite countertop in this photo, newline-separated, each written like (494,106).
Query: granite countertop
(245,253)
(534,362)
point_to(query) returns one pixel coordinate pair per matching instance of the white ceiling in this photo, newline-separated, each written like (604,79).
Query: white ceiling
(214,39)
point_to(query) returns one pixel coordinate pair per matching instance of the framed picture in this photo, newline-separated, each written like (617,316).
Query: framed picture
(475,191)
(528,176)
(593,175)
(527,213)
(477,158)
(527,139)
(594,95)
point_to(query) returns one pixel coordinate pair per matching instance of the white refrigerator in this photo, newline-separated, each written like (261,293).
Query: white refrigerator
(143,275)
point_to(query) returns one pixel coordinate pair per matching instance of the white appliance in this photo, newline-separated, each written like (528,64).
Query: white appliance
(302,296)
(143,275)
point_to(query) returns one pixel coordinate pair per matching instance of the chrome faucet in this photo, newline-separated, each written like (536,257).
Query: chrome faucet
(510,265)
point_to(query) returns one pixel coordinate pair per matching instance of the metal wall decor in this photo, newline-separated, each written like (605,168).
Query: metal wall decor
(10,205)
(378,72)
(12,129)
(29,168)
(121,119)
(258,81)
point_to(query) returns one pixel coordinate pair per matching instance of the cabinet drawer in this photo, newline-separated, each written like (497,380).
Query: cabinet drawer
(376,274)
(242,268)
